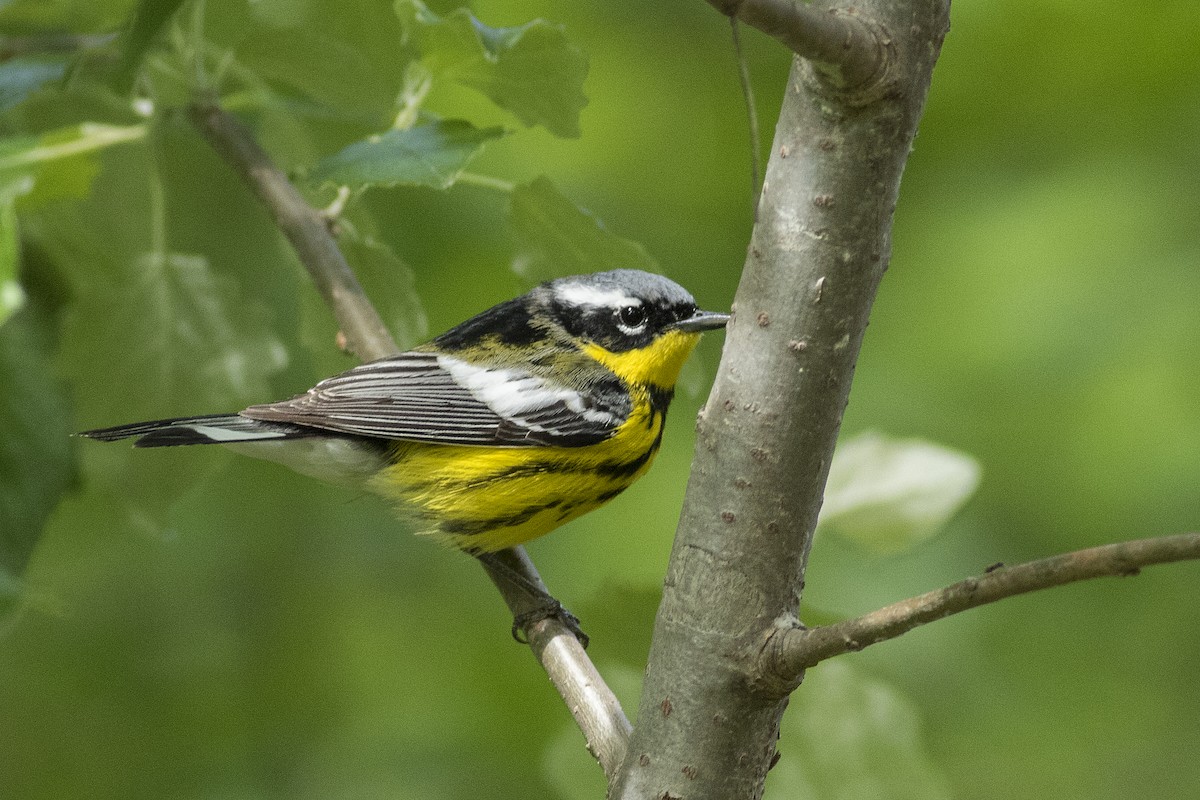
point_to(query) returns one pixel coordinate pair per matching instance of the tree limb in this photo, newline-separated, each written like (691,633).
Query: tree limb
(706,728)
(790,651)
(849,51)
(591,702)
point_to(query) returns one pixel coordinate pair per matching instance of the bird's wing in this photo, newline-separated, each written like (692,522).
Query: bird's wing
(434,397)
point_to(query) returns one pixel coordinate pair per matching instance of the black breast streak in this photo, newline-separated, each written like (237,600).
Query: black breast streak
(621,472)
(474,527)
(660,401)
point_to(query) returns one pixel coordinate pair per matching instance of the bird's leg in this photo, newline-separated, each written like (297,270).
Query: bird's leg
(532,602)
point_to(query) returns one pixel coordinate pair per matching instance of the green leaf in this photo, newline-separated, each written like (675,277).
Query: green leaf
(848,736)
(532,71)
(163,336)
(36,462)
(390,280)
(60,163)
(431,155)
(185,341)
(350,61)
(558,238)
(149,19)
(887,495)
(165,318)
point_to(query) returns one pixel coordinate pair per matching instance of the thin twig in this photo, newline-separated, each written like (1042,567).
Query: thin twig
(792,650)
(593,705)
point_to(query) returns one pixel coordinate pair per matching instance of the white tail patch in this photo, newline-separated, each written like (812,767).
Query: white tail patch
(226,435)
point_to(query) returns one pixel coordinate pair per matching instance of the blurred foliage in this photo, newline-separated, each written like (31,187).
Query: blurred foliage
(889,495)
(853,737)
(184,623)
(556,237)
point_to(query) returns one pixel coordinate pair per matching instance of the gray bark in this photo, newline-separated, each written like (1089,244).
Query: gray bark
(708,715)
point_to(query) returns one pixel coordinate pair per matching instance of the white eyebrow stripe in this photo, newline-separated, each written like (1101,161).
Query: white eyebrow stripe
(581,294)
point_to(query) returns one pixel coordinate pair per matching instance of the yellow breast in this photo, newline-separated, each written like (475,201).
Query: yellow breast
(488,498)
(483,499)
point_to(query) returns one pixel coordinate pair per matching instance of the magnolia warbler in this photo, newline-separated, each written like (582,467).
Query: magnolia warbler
(516,421)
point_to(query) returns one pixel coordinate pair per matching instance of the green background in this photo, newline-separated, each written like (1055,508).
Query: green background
(188,624)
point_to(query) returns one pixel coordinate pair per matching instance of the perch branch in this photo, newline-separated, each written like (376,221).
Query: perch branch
(791,650)
(593,705)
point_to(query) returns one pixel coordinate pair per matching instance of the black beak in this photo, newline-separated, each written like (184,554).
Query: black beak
(701,321)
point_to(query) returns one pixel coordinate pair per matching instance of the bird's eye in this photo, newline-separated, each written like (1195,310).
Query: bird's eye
(631,318)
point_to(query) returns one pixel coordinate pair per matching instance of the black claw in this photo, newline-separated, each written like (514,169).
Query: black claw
(548,608)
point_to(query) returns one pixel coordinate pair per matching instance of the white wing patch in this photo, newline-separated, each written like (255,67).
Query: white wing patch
(516,395)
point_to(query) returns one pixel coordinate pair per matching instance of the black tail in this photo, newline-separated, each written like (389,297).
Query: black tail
(210,429)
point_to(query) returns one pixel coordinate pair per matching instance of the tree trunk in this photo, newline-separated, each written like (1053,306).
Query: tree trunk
(708,717)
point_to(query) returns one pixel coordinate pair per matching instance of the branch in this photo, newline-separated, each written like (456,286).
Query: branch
(591,702)
(847,50)
(366,335)
(792,650)
(706,728)
(593,705)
